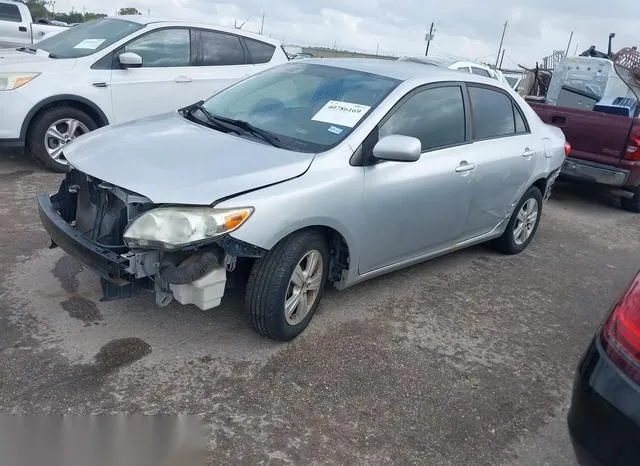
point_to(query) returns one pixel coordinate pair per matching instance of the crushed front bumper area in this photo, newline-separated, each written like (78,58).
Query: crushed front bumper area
(113,268)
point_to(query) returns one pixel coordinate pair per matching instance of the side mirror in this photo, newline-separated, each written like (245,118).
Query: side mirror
(398,148)
(130,60)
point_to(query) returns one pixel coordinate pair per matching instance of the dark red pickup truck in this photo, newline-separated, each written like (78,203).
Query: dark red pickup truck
(583,98)
(605,149)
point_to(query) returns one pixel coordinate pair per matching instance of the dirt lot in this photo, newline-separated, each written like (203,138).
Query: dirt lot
(468,359)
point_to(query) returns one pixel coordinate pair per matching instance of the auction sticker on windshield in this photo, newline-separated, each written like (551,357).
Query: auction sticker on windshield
(89,44)
(341,113)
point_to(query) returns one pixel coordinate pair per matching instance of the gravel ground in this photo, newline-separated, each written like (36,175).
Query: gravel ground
(467,359)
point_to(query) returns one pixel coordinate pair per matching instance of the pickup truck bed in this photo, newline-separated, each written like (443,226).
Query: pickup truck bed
(605,148)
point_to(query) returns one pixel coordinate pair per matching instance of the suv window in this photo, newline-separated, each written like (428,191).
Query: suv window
(435,116)
(220,49)
(493,113)
(480,71)
(10,12)
(163,48)
(259,51)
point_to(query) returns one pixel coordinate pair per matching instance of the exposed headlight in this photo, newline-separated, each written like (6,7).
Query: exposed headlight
(175,227)
(10,81)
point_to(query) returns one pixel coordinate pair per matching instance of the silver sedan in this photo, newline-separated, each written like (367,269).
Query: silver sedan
(312,172)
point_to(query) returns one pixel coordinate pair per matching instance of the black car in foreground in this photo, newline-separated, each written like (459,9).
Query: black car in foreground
(604,418)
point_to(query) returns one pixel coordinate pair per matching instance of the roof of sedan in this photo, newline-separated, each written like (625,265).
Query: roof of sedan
(399,69)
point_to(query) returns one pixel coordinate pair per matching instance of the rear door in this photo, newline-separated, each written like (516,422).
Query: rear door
(221,61)
(165,81)
(505,153)
(595,136)
(13,30)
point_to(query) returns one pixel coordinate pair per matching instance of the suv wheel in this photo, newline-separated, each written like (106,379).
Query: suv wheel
(633,204)
(53,130)
(286,285)
(523,223)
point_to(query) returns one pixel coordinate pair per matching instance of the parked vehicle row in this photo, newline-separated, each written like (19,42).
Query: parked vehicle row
(313,172)
(115,70)
(18,29)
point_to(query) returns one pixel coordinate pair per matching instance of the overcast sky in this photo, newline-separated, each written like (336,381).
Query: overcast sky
(464,28)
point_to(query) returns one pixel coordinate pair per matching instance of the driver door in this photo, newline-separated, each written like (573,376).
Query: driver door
(411,209)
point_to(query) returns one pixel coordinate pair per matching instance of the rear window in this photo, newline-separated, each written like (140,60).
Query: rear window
(480,72)
(260,52)
(219,49)
(10,13)
(493,113)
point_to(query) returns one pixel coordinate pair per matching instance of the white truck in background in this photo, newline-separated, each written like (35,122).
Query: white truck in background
(17,28)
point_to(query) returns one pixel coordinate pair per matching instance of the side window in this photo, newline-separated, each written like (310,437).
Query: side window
(10,12)
(435,116)
(219,49)
(163,48)
(480,72)
(492,113)
(259,51)
(521,126)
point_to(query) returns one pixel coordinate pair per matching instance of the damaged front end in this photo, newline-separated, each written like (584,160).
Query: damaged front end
(90,220)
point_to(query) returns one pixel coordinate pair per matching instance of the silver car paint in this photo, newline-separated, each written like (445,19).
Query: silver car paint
(391,215)
(381,210)
(169,159)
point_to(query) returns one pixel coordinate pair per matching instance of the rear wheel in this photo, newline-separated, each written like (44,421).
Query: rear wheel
(53,130)
(523,223)
(633,204)
(286,285)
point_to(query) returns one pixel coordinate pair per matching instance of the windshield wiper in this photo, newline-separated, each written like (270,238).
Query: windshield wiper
(249,128)
(210,120)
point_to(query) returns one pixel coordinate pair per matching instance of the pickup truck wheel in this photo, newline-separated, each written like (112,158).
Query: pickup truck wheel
(286,285)
(633,204)
(523,223)
(53,130)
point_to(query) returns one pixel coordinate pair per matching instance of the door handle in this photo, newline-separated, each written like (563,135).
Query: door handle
(183,79)
(22,29)
(465,167)
(528,153)
(558,120)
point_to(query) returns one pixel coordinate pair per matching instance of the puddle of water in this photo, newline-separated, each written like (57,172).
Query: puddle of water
(121,352)
(82,309)
(66,271)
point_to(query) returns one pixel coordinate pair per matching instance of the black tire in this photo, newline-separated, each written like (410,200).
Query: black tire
(633,204)
(40,126)
(507,242)
(269,280)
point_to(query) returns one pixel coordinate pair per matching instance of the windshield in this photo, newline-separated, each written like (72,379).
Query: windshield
(87,38)
(512,81)
(308,107)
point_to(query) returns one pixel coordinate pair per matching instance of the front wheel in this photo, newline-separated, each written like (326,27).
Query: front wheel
(523,223)
(53,130)
(286,285)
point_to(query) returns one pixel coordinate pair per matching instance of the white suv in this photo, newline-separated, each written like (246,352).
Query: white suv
(114,70)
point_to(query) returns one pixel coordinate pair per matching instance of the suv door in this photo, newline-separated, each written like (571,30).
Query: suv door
(412,209)
(12,28)
(163,83)
(221,60)
(505,153)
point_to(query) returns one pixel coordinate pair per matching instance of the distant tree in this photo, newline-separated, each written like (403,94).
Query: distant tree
(38,8)
(129,11)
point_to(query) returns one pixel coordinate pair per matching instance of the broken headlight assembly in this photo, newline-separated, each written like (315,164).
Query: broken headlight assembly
(171,228)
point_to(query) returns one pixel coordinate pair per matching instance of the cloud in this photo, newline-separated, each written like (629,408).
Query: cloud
(464,28)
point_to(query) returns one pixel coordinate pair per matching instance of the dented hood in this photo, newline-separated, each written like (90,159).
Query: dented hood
(169,159)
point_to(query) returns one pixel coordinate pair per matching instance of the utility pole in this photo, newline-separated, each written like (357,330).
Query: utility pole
(502,59)
(262,25)
(506,23)
(576,51)
(569,44)
(377,49)
(429,38)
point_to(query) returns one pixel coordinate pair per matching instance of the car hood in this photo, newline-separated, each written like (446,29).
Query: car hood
(13,60)
(170,159)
